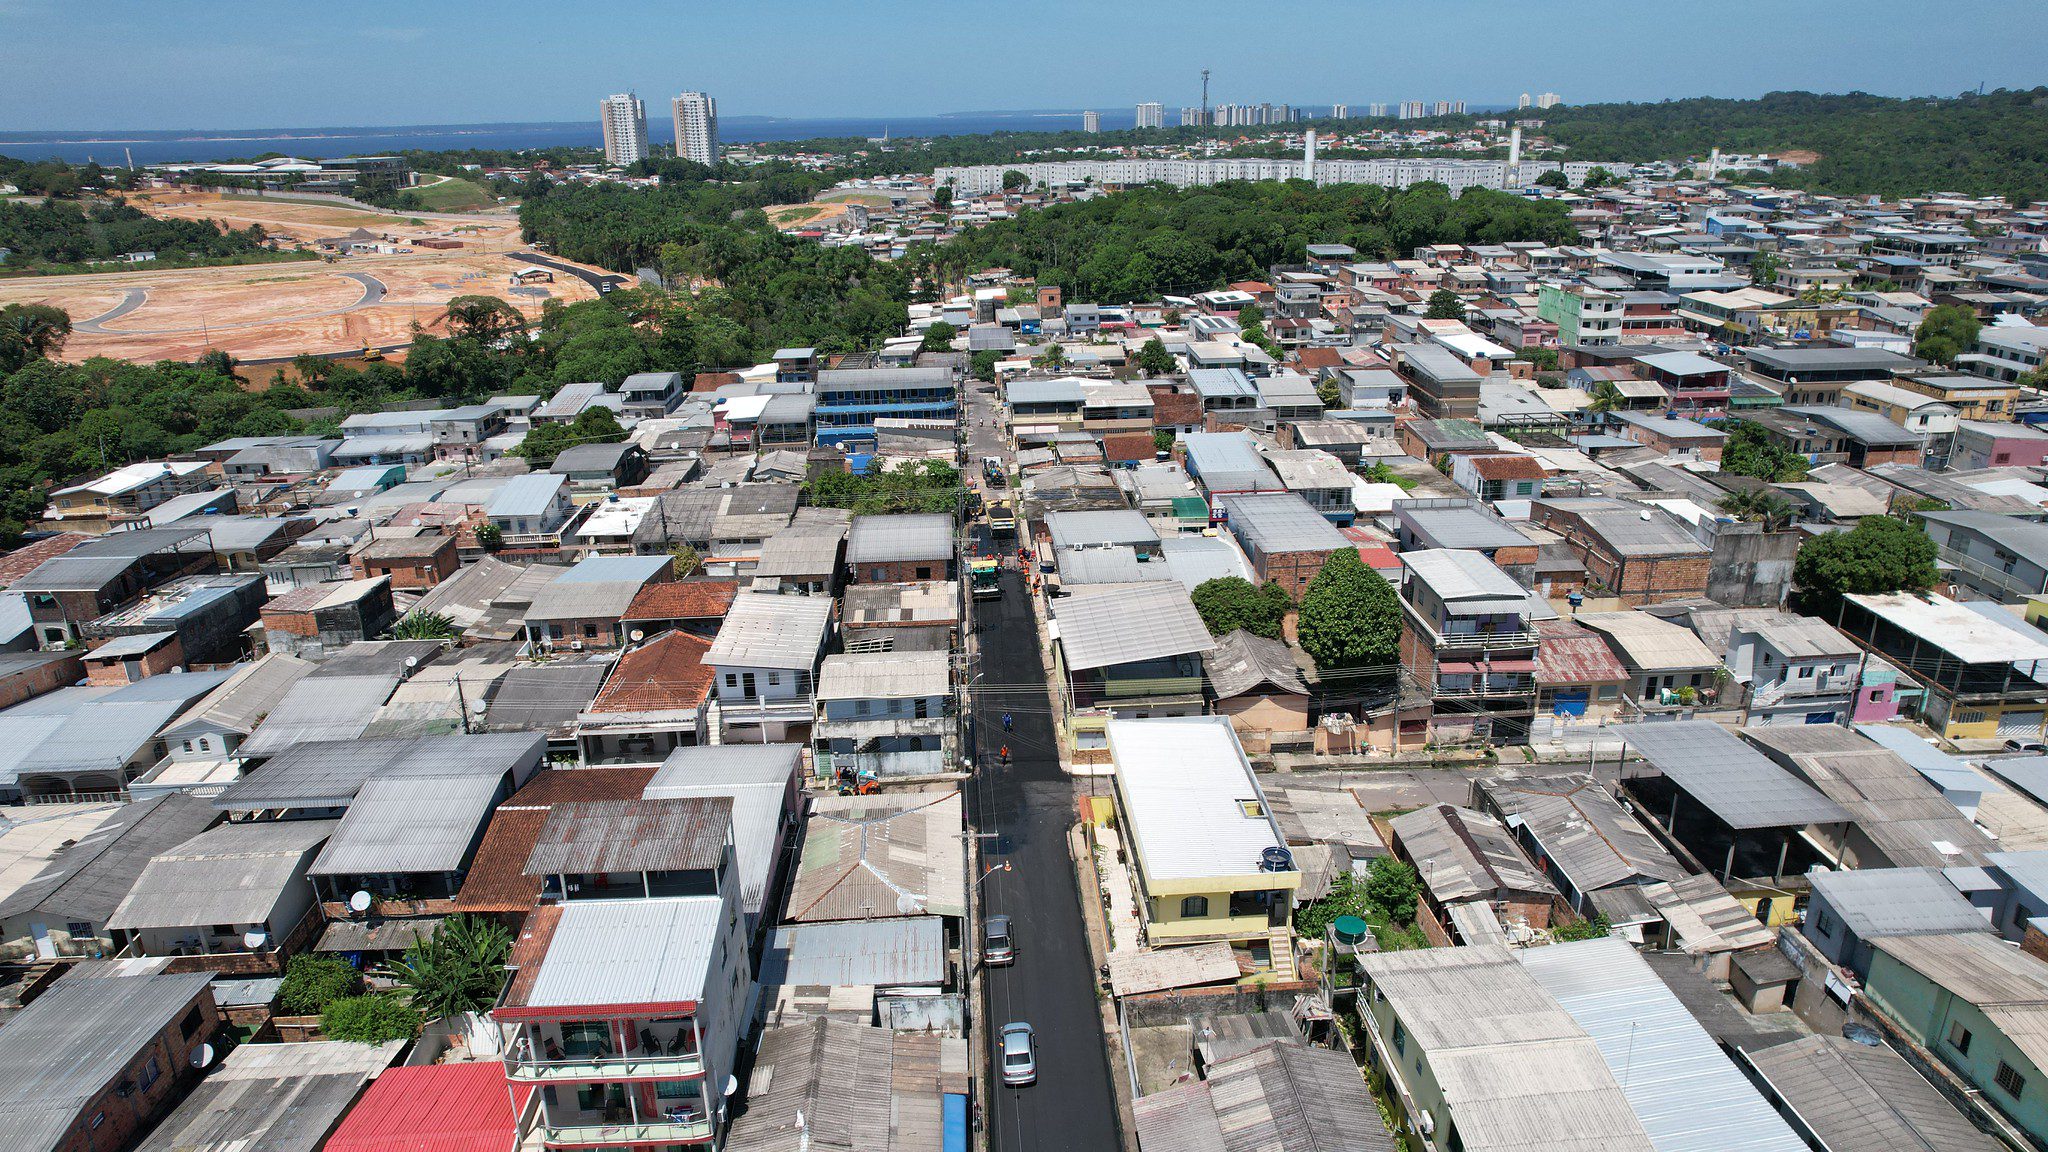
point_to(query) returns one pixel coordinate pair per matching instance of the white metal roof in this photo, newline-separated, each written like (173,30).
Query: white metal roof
(1184,782)
(628,952)
(1102,625)
(1953,628)
(766,631)
(1688,1095)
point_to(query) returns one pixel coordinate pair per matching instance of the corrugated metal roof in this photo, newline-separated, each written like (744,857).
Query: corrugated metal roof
(433,1108)
(230,874)
(1734,781)
(271,1097)
(629,952)
(858,953)
(1688,1095)
(70,1044)
(828,1084)
(866,856)
(1516,1070)
(1705,918)
(1584,831)
(75,730)
(528,495)
(885,539)
(545,697)
(330,773)
(1875,902)
(1107,526)
(1466,581)
(885,675)
(1466,855)
(1105,625)
(88,880)
(1648,644)
(1184,782)
(321,708)
(1133,973)
(400,824)
(1276,522)
(767,631)
(1852,1096)
(1118,565)
(588,836)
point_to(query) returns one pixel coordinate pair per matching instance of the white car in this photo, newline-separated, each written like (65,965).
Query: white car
(1020,1057)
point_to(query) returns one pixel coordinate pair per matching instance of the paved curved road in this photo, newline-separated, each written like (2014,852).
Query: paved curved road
(599,282)
(133,298)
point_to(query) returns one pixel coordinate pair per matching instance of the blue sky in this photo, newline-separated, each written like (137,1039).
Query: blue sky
(76,64)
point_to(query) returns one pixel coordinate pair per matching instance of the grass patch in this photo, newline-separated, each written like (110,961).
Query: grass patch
(453,195)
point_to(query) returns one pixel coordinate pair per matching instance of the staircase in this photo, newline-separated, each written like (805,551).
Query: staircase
(1280,942)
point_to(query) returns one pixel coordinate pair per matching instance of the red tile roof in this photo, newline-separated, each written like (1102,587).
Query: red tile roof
(1507,467)
(23,560)
(665,674)
(497,880)
(434,1108)
(683,600)
(1119,446)
(1171,409)
(1315,359)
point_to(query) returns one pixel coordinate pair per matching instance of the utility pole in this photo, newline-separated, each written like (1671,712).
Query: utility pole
(1205,97)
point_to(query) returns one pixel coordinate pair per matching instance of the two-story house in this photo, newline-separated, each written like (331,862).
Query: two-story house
(1130,649)
(652,395)
(1495,477)
(765,663)
(885,713)
(1793,669)
(531,511)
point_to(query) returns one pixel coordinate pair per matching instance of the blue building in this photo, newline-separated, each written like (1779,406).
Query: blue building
(850,400)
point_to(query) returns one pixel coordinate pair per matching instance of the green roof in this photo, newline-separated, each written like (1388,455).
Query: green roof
(1190,508)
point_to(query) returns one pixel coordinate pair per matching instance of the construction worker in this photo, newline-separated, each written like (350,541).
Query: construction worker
(1004,755)
(1009,722)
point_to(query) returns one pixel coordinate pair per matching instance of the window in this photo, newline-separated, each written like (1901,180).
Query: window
(860,707)
(1609,691)
(1767,659)
(1194,907)
(82,929)
(1400,1039)
(188,745)
(2009,1081)
(224,930)
(192,1023)
(1959,1039)
(1823,922)
(151,1073)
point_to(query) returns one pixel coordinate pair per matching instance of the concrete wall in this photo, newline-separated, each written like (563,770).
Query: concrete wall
(1751,568)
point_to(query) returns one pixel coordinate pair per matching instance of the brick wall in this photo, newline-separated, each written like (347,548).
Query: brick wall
(903,571)
(114,673)
(1291,570)
(109,1121)
(43,678)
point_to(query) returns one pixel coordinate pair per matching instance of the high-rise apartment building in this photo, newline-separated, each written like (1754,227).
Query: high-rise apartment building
(1524,102)
(1153,116)
(1457,107)
(1378,111)
(1413,110)
(1441,108)
(696,128)
(1191,117)
(1091,121)
(623,120)
(1549,100)
(1340,111)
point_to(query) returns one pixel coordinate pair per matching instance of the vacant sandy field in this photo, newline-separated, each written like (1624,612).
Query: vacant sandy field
(277,311)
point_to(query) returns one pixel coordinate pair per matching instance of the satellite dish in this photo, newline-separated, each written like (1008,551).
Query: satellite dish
(908,904)
(360,902)
(412,662)
(480,707)
(732,1084)
(255,938)
(202,1056)
(636,635)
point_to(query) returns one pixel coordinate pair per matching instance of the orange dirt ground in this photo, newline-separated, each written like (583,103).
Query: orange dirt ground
(276,311)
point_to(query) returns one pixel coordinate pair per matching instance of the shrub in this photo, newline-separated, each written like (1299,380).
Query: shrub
(313,982)
(369,1020)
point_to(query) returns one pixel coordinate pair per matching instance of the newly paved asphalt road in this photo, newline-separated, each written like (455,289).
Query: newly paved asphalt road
(1030,806)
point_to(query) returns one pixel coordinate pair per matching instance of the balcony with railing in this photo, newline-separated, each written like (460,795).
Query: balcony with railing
(610,1115)
(583,1051)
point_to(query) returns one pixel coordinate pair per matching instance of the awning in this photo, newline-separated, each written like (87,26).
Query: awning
(1511,666)
(1458,668)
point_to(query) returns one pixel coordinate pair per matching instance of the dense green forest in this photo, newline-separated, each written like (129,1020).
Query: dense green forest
(1140,244)
(1990,144)
(761,290)
(59,235)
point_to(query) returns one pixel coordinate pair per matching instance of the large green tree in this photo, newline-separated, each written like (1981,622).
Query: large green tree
(1155,360)
(459,968)
(1350,615)
(1229,603)
(1946,332)
(939,337)
(1445,304)
(1881,554)
(1750,451)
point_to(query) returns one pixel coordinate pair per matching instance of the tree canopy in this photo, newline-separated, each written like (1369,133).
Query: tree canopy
(1350,615)
(1229,603)
(1750,451)
(1445,304)
(1881,554)
(1946,332)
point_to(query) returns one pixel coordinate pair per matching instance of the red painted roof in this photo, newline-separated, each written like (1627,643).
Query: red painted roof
(665,674)
(434,1108)
(1507,467)
(683,600)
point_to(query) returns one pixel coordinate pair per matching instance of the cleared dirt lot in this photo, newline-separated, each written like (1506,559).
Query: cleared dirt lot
(276,311)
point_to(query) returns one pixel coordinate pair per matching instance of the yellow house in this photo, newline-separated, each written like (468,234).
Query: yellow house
(1207,857)
(1978,670)
(1973,397)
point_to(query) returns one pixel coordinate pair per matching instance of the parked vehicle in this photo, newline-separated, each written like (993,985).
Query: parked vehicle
(1020,1056)
(997,949)
(2026,744)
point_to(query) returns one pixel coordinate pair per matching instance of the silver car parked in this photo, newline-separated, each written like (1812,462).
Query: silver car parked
(1020,1056)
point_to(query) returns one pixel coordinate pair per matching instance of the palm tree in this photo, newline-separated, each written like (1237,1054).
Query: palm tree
(1606,397)
(1760,505)
(425,626)
(460,968)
